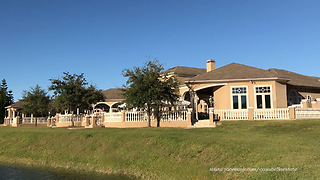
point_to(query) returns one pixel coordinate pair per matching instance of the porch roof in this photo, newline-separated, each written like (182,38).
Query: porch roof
(17,105)
(114,94)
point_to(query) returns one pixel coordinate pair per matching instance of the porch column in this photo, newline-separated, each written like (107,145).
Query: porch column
(211,116)
(14,121)
(9,113)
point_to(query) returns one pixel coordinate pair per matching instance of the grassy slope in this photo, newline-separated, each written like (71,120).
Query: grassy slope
(172,153)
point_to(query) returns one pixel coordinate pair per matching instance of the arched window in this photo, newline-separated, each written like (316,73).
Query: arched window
(293,97)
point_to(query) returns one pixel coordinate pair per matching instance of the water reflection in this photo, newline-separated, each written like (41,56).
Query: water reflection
(22,173)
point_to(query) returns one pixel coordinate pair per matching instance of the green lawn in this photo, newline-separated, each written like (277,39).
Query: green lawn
(172,153)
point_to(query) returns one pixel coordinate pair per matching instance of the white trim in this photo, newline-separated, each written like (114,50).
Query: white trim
(237,80)
(101,103)
(263,97)
(247,96)
(214,85)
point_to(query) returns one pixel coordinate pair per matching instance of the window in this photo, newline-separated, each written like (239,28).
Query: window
(293,97)
(239,97)
(263,97)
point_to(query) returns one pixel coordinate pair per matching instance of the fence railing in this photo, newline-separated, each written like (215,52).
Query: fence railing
(264,114)
(231,114)
(112,117)
(173,116)
(307,113)
(137,116)
(69,118)
(32,120)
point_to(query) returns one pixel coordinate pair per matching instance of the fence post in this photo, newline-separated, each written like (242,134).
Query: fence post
(250,113)
(5,123)
(123,116)
(87,120)
(16,121)
(102,119)
(49,122)
(94,119)
(292,112)
(189,115)
(57,118)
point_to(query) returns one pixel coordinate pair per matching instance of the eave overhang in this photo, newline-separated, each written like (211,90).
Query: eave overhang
(238,80)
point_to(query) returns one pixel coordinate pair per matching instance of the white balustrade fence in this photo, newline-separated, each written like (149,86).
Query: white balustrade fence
(173,116)
(28,120)
(137,116)
(42,119)
(231,114)
(307,113)
(32,120)
(65,118)
(69,118)
(264,114)
(112,117)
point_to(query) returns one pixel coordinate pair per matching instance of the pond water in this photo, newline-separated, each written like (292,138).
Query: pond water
(23,173)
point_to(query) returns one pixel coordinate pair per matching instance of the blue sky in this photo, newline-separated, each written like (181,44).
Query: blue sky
(41,39)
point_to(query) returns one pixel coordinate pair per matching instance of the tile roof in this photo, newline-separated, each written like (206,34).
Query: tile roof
(183,73)
(297,79)
(234,71)
(17,105)
(113,94)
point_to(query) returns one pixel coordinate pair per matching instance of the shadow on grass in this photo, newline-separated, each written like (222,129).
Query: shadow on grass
(28,173)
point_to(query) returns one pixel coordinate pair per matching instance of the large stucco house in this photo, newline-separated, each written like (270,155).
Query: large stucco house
(237,86)
(231,92)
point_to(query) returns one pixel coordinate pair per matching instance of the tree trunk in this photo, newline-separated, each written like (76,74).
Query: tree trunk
(149,120)
(156,112)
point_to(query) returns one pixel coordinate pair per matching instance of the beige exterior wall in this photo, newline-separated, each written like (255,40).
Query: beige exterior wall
(223,97)
(145,124)
(280,99)
(66,124)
